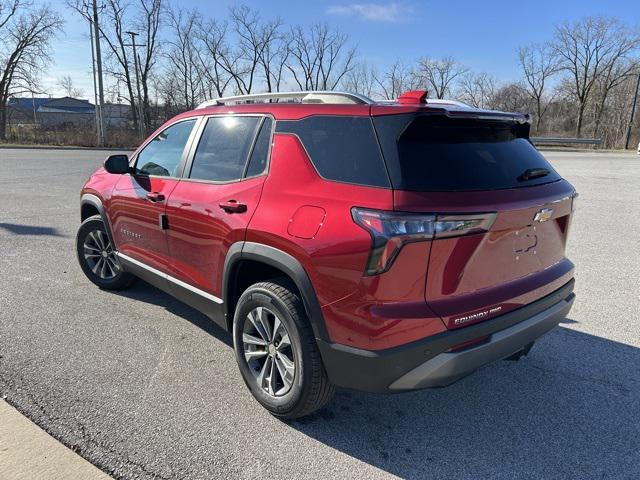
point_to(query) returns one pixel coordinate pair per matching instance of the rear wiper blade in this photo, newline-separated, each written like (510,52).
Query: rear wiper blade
(531,173)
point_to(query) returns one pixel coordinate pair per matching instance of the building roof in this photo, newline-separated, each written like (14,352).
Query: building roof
(52,105)
(27,103)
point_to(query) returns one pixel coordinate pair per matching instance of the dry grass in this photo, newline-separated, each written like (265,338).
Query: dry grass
(70,136)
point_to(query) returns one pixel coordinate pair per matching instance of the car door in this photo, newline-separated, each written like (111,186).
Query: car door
(210,209)
(138,199)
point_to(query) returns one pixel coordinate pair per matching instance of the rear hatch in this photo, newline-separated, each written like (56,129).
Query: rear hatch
(465,168)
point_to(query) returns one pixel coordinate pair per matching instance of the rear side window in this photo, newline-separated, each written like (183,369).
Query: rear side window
(342,149)
(438,153)
(260,153)
(223,149)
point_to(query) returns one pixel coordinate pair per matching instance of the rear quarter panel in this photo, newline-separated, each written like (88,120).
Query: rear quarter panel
(335,256)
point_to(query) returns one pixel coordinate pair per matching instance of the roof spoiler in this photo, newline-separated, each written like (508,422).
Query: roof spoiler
(413,97)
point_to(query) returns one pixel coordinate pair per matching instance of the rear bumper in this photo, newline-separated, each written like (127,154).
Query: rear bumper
(428,363)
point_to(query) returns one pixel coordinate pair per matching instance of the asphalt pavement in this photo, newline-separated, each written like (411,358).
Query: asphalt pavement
(143,386)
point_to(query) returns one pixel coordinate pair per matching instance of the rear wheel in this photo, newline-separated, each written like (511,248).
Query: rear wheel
(276,351)
(97,256)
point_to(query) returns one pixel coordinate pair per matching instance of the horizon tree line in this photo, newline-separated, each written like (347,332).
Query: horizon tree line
(579,82)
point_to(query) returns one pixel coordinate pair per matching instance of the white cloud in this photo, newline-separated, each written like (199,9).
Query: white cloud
(375,12)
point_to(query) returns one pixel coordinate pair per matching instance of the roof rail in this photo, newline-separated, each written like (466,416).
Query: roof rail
(319,96)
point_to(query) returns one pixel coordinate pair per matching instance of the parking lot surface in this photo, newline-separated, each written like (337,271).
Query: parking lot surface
(145,387)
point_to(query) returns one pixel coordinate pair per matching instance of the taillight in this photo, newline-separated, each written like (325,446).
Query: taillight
(391,230)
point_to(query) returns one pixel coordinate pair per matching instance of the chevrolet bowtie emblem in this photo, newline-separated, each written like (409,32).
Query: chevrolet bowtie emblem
(543,215)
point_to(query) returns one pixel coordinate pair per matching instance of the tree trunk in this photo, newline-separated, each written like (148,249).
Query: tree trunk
(132,101)
(599,113)
(580,119)
(146,104)
(539,112)
(3,121)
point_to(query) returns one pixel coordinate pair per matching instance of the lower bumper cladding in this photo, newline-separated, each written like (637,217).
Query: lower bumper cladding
(435,361)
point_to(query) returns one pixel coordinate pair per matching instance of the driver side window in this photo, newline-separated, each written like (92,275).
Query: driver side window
(162,155)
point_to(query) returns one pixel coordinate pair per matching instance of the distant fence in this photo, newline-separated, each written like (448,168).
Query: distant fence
(565,141)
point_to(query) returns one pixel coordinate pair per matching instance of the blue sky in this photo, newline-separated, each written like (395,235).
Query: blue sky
(482,34)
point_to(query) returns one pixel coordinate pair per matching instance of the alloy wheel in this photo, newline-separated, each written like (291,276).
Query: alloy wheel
(268,352)
(100,256)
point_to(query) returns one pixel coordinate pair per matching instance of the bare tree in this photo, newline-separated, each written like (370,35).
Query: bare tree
(275,54)
(25,36)
(478,89)
(212,37)
(398,78)
(67,86)
(539,62)
(319,58)
(613,75)
(113,31)
(123,16)
(441,74)
(512,97)
(361,79)
(242,52)
(168,91)
(616,116)
(247,26)
(588,48)
(148,25)
(183,57)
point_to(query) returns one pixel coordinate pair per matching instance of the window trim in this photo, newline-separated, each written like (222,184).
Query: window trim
(310,160)
(196,141)
(187,148)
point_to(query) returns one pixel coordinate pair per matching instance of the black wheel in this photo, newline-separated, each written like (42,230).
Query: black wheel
(277,353)
(97,257)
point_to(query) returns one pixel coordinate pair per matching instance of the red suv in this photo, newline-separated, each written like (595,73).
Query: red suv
(376,246)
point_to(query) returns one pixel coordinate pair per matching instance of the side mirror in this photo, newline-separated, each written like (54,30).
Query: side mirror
(118,164)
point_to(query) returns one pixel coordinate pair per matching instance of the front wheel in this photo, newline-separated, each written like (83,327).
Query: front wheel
(276,351)
(98,258)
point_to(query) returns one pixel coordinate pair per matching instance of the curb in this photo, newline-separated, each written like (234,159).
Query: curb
(28,452)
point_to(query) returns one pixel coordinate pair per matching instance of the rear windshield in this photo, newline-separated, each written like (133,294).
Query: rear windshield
(438,153)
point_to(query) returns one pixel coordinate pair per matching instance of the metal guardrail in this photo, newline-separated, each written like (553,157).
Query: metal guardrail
(565,141)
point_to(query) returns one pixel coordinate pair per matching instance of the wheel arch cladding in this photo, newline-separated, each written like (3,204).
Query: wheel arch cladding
(92,205)
(270,262)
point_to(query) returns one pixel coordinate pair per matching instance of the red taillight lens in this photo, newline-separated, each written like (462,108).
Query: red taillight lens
(391,230)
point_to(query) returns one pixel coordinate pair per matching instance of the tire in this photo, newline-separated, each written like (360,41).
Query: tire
(310,388)
(96,256)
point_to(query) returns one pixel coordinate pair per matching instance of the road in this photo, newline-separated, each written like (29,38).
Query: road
(144,387)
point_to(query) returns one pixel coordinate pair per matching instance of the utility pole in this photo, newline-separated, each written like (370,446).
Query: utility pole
(95,88)
(102,134)
(135,64)
(633,112)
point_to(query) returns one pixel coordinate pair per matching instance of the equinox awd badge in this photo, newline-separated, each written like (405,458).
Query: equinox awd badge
(543,215)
